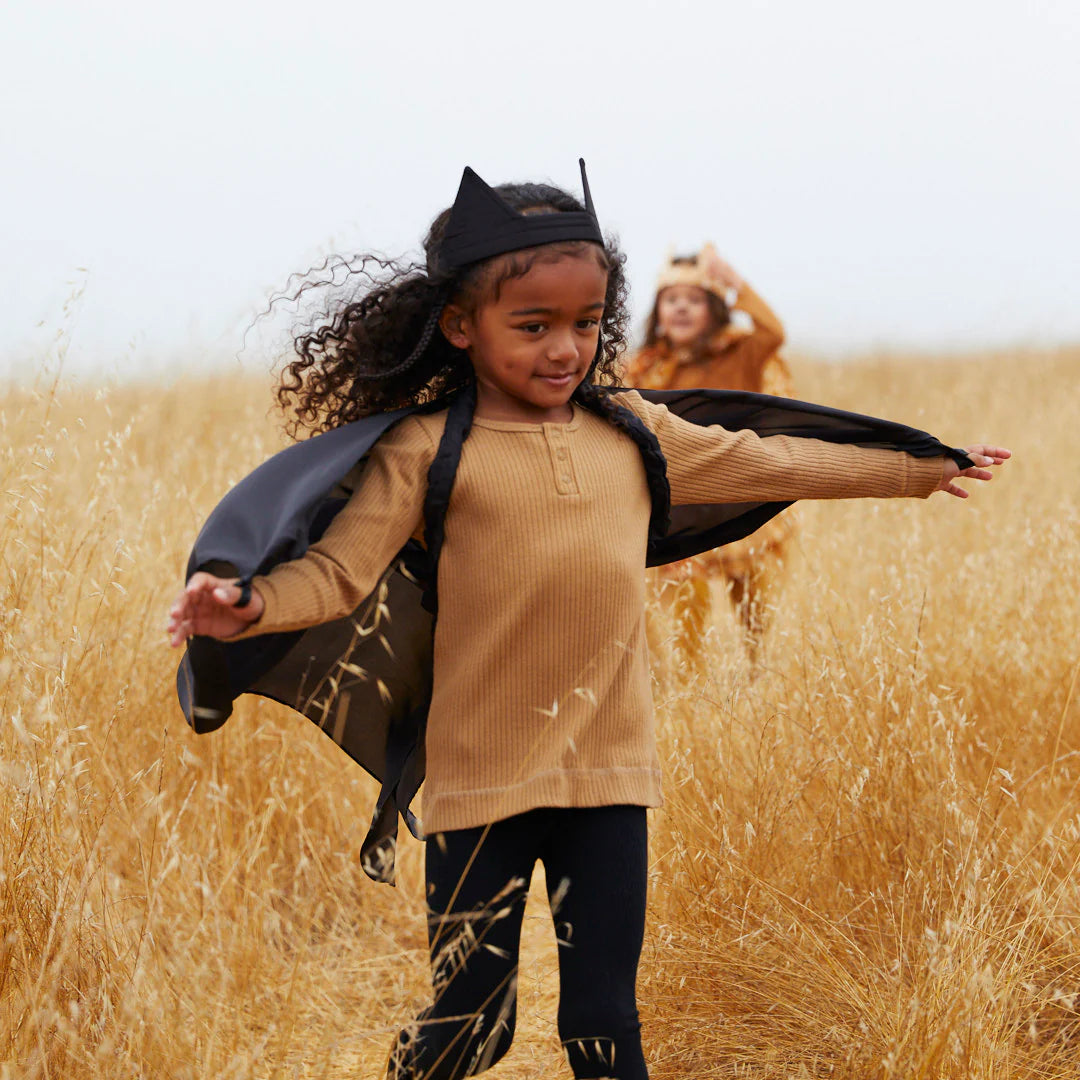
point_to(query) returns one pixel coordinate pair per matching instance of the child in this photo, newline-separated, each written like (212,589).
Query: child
(691,340)
(539,733)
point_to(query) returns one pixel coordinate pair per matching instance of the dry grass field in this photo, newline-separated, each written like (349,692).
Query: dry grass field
(867,866)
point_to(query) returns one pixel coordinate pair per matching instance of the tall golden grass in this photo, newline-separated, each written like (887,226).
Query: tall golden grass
(866,867)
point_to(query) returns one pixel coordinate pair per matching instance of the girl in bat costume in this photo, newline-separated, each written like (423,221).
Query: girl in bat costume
(691,340)
(540,741)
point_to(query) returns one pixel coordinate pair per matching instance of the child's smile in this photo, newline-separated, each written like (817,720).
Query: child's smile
(533,345)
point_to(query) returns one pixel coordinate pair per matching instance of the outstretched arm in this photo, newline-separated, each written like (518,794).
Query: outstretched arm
(709,464)
(335,574)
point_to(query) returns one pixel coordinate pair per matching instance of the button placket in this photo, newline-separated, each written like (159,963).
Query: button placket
(561,460)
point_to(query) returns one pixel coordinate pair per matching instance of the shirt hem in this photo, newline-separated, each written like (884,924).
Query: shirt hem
(445,812)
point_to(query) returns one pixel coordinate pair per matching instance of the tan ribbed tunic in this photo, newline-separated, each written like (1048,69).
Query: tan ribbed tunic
(541,683)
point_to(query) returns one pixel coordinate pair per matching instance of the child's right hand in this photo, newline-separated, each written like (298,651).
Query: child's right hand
(205,607)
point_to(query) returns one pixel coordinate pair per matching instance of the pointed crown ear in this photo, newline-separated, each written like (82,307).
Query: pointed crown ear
(482,225)
(700,270)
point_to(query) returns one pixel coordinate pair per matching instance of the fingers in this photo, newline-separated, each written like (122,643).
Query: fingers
(720,268)
(194,609)
(178,626)
(983,456)
(995,454)
(227,594)
(200,580)
(950,487)
(204,591)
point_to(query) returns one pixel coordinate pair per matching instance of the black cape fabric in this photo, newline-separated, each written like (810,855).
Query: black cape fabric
(365,680)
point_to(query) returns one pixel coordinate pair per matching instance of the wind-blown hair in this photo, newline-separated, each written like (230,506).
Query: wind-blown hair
(382,348)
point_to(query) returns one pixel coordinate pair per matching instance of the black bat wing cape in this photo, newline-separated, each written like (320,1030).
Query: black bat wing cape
(366,679)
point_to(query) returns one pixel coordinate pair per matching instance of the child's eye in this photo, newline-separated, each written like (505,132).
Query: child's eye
(532,328)
(587,324)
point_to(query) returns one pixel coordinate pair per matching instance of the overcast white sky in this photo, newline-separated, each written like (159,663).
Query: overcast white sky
(886,174)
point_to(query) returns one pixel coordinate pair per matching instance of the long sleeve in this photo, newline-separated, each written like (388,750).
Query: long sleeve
(335,574)
(768,333)
(711,464)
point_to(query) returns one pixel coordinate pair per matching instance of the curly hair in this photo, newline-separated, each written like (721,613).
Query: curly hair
(381,349)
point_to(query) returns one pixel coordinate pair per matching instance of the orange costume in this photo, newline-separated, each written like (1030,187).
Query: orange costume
(733,357)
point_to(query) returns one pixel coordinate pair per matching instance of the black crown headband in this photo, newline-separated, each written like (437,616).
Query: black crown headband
(481,224)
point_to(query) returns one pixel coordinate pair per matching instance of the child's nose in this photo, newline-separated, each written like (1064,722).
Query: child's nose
(562,347)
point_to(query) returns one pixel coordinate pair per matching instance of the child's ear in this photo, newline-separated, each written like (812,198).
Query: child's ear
(454,324)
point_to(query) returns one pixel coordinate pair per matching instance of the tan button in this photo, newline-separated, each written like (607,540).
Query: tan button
(564,479)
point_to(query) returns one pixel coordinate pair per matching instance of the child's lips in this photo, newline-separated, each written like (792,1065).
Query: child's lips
(558,380)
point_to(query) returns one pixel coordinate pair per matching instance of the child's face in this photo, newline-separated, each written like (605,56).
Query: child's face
(682,314)
(533,346)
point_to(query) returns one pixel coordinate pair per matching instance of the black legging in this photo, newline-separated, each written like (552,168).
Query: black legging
(596,863)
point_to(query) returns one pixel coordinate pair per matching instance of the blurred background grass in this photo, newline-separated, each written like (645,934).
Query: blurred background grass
(866,867)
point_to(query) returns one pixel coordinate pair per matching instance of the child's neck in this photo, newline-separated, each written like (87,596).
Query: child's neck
(504,409)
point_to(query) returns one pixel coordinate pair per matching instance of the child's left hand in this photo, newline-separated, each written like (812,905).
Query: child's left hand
(719,269)
(982,456)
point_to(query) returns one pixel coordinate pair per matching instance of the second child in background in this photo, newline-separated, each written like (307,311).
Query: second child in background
(693,340)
